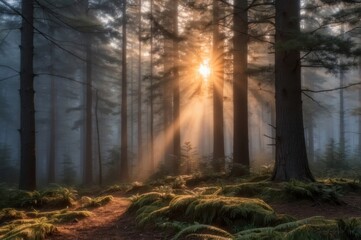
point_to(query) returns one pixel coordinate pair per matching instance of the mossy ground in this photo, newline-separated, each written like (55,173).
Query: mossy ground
(35,215)
(186,207)
(221,208)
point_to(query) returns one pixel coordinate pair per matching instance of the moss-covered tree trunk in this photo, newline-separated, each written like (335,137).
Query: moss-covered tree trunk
(291,156)
(27,112)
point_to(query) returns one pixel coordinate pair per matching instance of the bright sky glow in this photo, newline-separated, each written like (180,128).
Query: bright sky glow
(205,69)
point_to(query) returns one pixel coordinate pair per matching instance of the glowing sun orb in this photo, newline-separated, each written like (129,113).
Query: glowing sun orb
(204,69)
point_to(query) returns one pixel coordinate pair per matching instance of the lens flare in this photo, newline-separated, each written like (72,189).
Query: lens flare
(204,69)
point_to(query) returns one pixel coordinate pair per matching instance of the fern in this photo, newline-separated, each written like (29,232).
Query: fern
(349,229)
(249,189)
(206,236)
(152,198)
(314,191)
(9,214)
(315,232)
(36,229)
(206,229)
(98,201)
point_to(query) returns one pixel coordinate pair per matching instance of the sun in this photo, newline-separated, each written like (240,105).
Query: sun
(204,69)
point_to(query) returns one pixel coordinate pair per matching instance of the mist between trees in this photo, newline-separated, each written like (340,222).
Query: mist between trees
(121,90)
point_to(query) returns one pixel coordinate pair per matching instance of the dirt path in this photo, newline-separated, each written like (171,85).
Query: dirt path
(108,222)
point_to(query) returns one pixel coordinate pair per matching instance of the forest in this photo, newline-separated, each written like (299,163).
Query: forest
(180,119)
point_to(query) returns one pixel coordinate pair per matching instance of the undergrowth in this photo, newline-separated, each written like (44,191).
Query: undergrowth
(96,202)
(27,229)
(52,197)
(23,219)
(238,211)
(231,213)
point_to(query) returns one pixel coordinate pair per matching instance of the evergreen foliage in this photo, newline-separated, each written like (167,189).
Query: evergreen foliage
(52,197)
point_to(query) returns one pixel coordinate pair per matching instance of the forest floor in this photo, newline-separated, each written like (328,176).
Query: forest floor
(112,222)
(108,222)
(332,199)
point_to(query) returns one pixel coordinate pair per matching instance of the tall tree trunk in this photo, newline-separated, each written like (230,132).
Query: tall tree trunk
(359,121)
(176,94)
(131,168)
(167,94)
(124,121)
(88,136)
(311,145)
(53,106)
(27,113)
(218,84)
(342,140)
(291,156)
(151,97)
(240,84)
(100,162)
(140,142)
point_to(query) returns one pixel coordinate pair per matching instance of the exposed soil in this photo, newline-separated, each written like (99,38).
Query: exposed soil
(111,222)
(108,222)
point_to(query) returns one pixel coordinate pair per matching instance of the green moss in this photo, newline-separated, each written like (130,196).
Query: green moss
(9,214)
(153,198)
(36,229)
(98,201)
(61,216)
(201,231)
(245,189)
(315,232)
(69,216)
(315,228)
(58,196)
(113,189)
(229,212)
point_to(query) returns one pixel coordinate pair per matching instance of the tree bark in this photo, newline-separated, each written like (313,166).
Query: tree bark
(151,97)
(27,93)
(53,107)
(124,121)
(218,84)
(291,156)
(140,142)
(88,136)
(359,120)
(100,162)
(342,139)
(176,95)
(240,84)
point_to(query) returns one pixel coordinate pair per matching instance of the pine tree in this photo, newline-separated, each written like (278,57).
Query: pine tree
(124,171)
(218,85)
(291,156)
(240,84)
(27,113)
